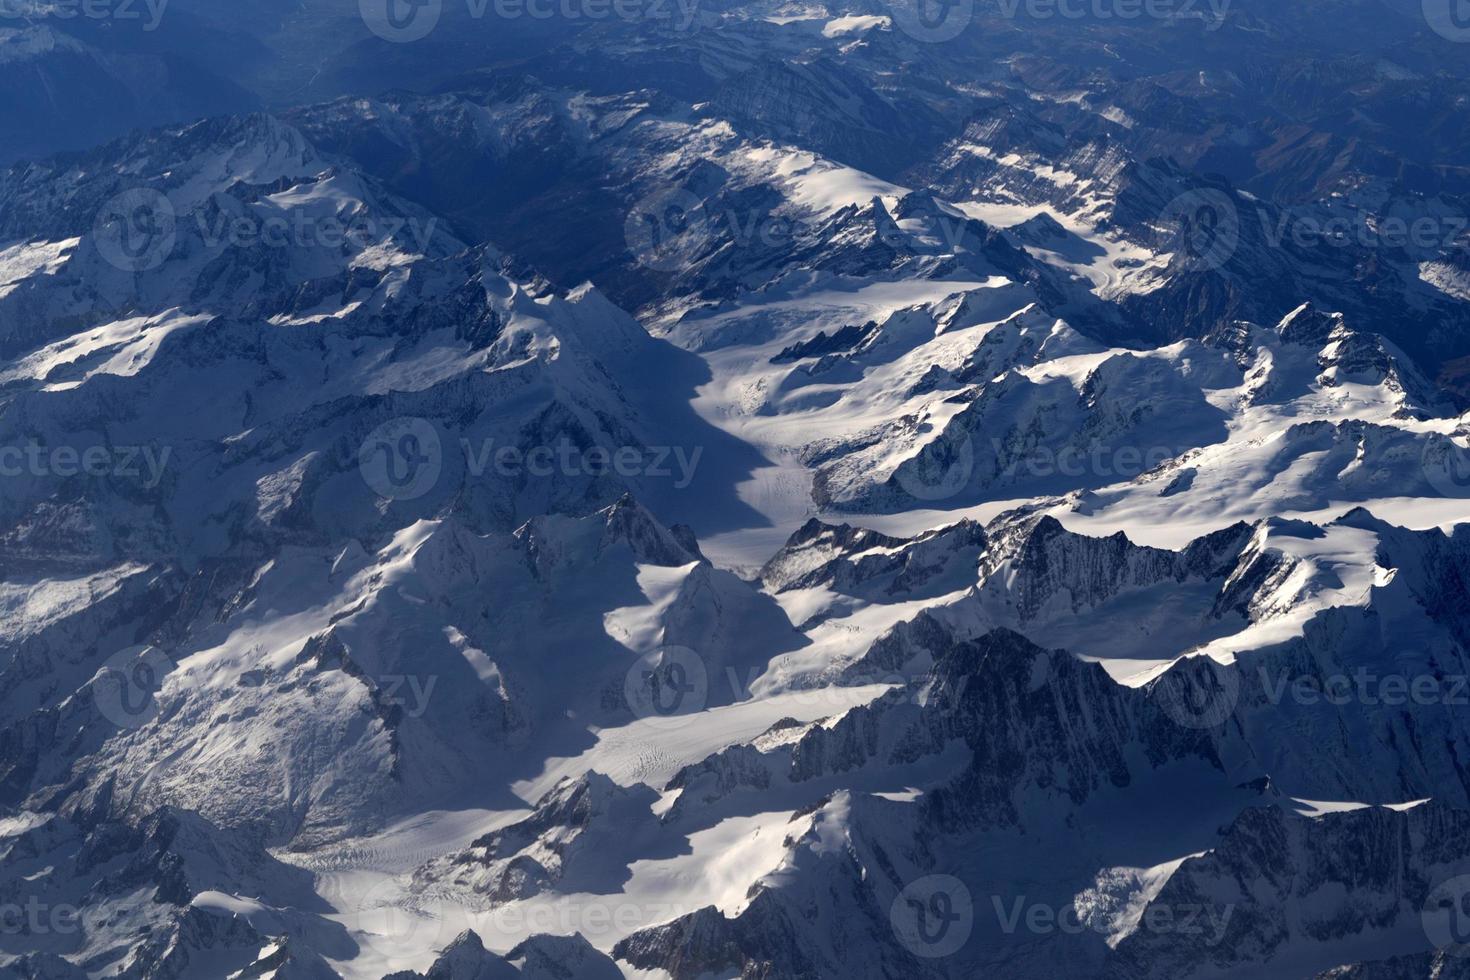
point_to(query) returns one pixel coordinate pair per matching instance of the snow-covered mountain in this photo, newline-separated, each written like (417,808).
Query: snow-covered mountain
(738,500)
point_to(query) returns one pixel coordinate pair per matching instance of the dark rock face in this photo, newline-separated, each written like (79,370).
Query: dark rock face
(538,958)
(556,847)
(465,958)
(1437,965)
(1389,861)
